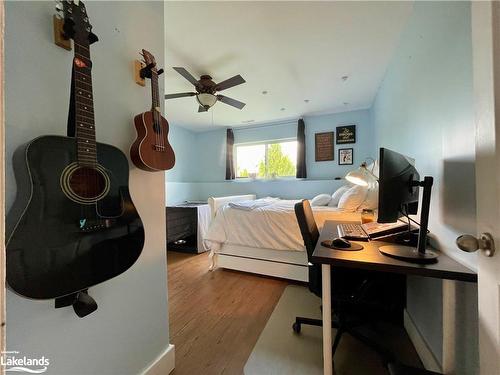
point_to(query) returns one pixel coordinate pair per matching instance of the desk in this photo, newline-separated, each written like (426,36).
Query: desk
(371,259)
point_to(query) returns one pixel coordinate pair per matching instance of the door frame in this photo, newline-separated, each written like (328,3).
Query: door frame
(2,187)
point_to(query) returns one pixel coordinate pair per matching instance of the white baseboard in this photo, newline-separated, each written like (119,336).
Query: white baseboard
(423,350)
(164,364)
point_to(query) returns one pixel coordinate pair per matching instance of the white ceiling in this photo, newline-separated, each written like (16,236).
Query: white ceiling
(293,50)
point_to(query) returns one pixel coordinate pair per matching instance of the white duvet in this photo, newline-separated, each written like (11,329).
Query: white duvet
(273,226)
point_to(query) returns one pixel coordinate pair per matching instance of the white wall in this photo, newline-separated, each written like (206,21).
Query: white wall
(130,328)
(424,109)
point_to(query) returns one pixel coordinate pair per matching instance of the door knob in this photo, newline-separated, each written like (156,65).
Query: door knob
(469,243)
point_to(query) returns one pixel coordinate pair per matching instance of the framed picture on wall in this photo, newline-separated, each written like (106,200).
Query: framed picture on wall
(346,156)
(346,134)
(324,146)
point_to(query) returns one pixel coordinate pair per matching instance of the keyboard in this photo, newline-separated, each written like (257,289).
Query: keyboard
(352,232)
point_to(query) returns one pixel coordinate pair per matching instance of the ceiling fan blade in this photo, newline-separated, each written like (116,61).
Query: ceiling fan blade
(183,72)
(231,82)
(201,109)
(231,101)
(179,95)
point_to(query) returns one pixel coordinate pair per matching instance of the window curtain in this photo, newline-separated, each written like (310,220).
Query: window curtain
(230,174)
(301,150)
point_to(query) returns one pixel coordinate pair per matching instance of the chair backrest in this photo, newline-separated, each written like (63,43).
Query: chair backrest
(310,235)
(307,225)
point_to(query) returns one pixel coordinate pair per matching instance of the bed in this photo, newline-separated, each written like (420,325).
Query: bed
(262,238)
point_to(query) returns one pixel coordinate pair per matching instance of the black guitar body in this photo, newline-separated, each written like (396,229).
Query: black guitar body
(71,226)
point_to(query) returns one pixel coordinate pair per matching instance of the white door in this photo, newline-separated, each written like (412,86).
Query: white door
(486,62)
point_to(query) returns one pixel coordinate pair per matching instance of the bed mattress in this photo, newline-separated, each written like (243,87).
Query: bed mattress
(273,227)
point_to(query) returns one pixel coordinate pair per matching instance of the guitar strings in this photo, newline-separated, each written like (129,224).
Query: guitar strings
(158,120)
(89,177)
(154,92)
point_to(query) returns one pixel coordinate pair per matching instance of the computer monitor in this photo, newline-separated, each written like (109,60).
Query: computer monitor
(399,183)
(396,195)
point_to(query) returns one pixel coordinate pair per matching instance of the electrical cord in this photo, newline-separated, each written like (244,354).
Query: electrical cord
(410,220)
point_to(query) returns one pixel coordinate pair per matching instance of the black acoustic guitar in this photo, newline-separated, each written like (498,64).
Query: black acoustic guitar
(73,224)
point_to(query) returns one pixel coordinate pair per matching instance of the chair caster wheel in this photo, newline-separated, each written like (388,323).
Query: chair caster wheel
(296,327)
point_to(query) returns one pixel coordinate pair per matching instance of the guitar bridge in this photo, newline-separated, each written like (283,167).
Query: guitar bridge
(159,148)
(94,225)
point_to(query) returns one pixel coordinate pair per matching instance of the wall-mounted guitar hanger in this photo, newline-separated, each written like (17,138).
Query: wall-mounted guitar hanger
(59,39)
(141,72)
(138,77)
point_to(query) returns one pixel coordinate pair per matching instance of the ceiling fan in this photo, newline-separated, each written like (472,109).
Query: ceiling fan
(206,90)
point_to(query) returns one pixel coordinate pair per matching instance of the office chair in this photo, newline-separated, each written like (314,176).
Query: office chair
(358,297)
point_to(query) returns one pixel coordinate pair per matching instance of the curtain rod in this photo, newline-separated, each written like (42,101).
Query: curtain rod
(265,125)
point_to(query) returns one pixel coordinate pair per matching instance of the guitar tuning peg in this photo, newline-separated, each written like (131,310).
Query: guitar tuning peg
(160,72)
(59,7)
(93,38)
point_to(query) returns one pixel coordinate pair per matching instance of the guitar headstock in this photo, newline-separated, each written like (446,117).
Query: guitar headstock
(150,65)
(76,21)
(149,59)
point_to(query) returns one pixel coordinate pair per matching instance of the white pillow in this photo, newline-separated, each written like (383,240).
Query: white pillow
(371,200)
(321,200)
(337,195)
(352,198)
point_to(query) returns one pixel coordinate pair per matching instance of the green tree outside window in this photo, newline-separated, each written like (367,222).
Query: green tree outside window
(278,164)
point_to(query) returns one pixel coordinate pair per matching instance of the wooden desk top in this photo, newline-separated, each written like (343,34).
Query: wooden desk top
(371,259)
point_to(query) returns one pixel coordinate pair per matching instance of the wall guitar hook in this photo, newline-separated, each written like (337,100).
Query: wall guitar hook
(146,71)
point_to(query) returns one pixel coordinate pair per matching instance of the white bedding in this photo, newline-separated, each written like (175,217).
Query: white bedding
(251,205)
(273,226)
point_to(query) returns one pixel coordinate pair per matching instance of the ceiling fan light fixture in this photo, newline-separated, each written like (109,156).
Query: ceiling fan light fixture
(206,100)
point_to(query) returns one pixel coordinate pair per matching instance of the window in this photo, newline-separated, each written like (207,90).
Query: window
(266,159)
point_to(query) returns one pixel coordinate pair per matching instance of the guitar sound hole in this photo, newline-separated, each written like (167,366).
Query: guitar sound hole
(87,183)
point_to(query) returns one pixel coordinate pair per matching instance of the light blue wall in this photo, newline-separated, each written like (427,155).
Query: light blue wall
(424,109)
(183,143)
(207,170)
(180,184)
(362,147)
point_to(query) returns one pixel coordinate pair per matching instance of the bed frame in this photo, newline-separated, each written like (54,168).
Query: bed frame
(291,265)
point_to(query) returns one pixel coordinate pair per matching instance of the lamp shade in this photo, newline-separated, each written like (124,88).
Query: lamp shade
(206,100)
(357,177)
(361,176)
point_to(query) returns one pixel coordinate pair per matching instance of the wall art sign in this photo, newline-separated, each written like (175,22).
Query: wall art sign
(324,146)
(346,156)
(346,134)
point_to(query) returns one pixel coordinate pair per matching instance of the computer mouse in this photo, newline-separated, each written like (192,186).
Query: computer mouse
(341,243)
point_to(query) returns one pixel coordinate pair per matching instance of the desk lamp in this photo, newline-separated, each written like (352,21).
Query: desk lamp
(363,176)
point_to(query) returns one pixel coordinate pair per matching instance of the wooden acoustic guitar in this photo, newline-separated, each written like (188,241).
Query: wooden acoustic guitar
(151,151)
(73,224)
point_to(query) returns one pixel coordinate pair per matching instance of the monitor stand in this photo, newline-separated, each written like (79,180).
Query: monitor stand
(420,254)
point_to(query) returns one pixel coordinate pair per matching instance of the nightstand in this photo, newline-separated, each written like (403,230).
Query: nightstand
(187,224)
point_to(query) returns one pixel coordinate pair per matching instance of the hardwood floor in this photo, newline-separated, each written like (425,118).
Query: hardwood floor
(216,317)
